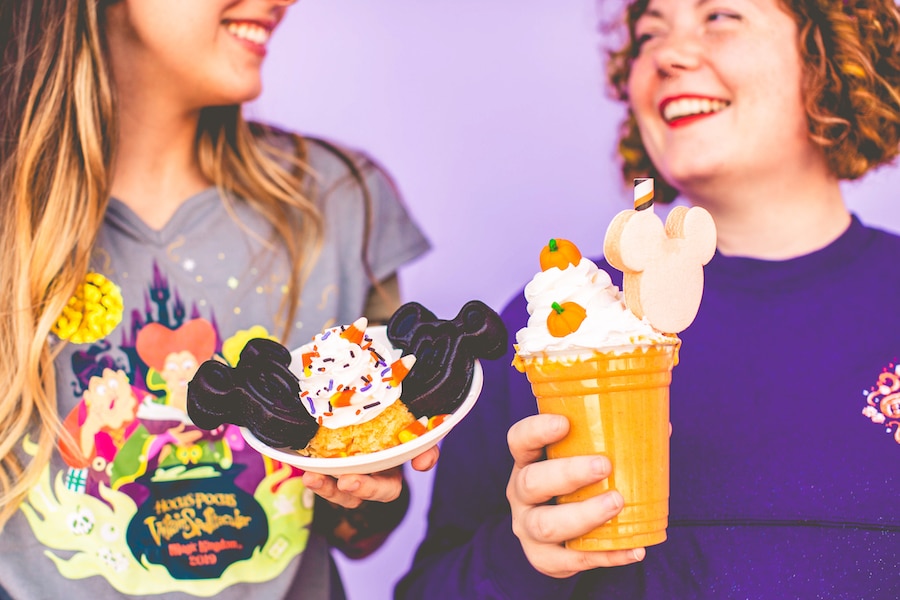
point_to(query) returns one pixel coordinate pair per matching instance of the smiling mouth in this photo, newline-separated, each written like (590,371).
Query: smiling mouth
(249,31)
(681,109)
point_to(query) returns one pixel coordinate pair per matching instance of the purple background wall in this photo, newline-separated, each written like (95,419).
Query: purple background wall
(491,116)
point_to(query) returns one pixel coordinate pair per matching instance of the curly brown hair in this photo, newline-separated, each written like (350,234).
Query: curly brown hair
(851,53)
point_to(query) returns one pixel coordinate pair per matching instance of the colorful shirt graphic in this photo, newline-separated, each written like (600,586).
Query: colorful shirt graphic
(883,401)
(149,501)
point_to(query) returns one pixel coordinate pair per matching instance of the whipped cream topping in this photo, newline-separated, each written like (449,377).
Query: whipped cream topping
(350,374)
(607,322)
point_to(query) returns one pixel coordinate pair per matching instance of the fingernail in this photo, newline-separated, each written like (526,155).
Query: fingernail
(352,486)
(559,422)
(618,500)
(314,484)
(638,553)
(598,466)
(613,501)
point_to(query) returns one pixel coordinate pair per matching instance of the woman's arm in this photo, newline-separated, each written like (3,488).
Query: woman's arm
(359,531)
(383,300)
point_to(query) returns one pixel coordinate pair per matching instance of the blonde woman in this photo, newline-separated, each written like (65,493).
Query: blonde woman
(125,164)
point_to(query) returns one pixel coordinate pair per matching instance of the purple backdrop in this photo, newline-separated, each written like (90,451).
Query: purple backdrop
(492,118)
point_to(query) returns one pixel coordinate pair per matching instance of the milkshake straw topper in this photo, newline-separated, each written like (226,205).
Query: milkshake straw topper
(662,264)
(643,193)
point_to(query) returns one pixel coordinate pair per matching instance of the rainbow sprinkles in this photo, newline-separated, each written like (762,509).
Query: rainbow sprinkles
(348,377)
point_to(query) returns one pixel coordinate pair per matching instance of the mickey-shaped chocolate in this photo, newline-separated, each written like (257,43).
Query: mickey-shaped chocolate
(445,353)
(662,264)
(260,393)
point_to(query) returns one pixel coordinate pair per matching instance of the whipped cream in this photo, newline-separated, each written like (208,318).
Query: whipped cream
(607,322)
(350,375)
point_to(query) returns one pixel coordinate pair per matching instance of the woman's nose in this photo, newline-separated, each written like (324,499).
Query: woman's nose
(677,52)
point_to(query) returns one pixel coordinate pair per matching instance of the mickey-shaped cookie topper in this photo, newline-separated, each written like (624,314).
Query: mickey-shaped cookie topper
(445,353)
(662,264)
(260,393)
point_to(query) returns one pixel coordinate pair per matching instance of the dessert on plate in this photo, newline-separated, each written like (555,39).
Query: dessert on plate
(352,389)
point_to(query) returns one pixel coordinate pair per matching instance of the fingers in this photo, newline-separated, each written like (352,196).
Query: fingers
(528,437)
(554,524)
(380,487)
(543,528)
(538,482)
(426,460)
(326,487)
(350,490)
(558,561)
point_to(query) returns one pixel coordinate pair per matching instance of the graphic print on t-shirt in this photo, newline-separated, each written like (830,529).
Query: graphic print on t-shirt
(148,500)
(883,400)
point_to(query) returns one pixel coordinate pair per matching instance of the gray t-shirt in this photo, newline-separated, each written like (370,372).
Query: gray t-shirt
(144,504)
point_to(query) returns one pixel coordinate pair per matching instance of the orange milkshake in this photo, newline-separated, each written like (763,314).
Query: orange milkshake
(604,358)
(592,360)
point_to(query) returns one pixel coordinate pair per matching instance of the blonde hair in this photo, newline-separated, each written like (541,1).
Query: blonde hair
(57,141)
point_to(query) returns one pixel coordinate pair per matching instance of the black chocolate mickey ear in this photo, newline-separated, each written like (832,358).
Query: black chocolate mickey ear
(261,394)
(402,326)
(208,402)
(488,333)
(267,351)
(445,353)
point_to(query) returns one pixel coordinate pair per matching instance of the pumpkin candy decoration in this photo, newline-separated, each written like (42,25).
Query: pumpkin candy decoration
(565,318)
(559,253)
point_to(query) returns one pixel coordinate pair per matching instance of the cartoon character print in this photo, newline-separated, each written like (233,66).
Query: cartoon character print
(173,356)
(166,437)
(101,423)
(150,502)
(883,401)
(662,264)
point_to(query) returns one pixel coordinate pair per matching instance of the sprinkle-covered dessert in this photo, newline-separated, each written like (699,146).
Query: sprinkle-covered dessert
(351,389)
(351,386)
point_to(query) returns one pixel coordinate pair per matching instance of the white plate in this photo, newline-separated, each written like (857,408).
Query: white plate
(364,464)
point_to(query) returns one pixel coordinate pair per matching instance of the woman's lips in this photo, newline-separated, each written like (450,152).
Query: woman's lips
(685,109)
(253,35)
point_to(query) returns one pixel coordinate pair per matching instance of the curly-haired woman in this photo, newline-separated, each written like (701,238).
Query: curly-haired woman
(785,403)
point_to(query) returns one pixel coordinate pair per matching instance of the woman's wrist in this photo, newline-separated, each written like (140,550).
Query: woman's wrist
(357,532)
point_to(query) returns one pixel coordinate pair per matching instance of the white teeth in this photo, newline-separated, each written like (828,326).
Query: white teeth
(250,32)
(686,107)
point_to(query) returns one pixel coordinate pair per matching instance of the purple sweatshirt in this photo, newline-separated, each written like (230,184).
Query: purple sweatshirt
(785,466)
